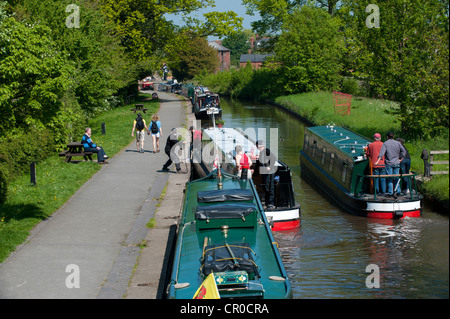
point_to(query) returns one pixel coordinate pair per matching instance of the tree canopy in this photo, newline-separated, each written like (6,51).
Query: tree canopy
(188,61)
(309,50)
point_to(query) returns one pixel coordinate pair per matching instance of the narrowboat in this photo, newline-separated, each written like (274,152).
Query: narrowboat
(333,159)
(222,230)
(286,214)
(203,101)
(187,90)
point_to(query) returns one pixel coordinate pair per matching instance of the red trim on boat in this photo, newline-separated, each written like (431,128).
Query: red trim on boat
(392,215)
(286,225)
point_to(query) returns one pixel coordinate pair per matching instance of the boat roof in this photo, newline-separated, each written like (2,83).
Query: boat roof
(347,141)
(228,138)
(191,240)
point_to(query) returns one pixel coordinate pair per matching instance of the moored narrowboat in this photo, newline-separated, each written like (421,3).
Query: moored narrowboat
(286,213)
(204,100)
(333,159)
(223,231)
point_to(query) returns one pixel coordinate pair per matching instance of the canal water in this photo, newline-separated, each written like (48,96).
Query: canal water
(337,255)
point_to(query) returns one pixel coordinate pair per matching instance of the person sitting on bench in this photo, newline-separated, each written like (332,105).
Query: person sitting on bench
(89,146)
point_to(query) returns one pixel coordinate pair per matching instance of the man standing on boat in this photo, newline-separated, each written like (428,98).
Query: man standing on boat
(373,150)
(394,153)
(266,164)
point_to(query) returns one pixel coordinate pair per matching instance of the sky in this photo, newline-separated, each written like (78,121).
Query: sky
(224,5)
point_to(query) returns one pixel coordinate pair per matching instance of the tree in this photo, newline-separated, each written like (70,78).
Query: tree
(145,31)
(273,13)
(99,66)
(198,57)
(405,58)
(238,44)
(309,49)
(33,79)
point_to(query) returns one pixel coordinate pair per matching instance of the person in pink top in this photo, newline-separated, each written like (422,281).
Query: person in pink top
(373,150)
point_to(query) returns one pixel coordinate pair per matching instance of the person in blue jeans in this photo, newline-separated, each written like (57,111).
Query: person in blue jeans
(89,146)
(394,153)
(373,150)
(405,166)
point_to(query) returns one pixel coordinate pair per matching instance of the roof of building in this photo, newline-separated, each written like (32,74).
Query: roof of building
(254,58)
(217,46)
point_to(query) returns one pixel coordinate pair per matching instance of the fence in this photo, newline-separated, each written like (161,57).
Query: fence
(428,160)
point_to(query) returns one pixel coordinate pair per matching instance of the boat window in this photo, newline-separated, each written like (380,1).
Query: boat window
(332,155)
(324,152)
(314,149)
(305,146)
(344,172)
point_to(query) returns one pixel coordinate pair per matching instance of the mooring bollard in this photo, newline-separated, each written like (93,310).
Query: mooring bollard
(33,173)
(426,164)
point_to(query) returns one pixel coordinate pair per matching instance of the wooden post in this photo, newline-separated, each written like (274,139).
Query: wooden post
(426,164)
(103,129)
(33,173)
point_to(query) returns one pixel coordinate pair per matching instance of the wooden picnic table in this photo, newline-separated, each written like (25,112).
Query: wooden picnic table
(75,149)
(139,107)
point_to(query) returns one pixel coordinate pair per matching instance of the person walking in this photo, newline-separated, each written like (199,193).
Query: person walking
(156,131)
(90,146)
(266,164)
(140,126)
(373,150)
(172,140)
(394,153)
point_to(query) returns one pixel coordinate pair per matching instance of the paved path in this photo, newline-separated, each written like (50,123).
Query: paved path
(96,238)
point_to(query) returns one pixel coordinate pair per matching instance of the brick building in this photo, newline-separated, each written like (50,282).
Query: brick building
(255,59)
(223,55)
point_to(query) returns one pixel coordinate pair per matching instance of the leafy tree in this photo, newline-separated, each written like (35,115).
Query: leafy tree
(308,50)
(405,59)
(33,79)
(145,31)
(274,12)
(100,68)
(198,57)
(238,44)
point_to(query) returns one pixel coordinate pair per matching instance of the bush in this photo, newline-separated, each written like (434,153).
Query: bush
(20,149)
(350,86)
(3,184)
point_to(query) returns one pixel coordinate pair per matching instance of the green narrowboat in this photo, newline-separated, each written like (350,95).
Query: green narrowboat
(223,230)
(333,159)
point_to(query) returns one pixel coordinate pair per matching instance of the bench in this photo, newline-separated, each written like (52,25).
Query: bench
(139,107)
(75,149)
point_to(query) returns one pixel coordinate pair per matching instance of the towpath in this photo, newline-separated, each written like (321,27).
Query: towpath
(97,245)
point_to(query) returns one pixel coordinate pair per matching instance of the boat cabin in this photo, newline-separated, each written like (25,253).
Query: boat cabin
(339,152)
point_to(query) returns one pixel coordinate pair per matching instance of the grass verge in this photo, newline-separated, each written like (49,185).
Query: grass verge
(367,117)
(27,205)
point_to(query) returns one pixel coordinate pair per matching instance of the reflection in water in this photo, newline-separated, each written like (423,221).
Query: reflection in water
(327,257)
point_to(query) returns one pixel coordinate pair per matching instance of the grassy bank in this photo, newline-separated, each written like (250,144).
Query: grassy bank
(367,117)
(27,205)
